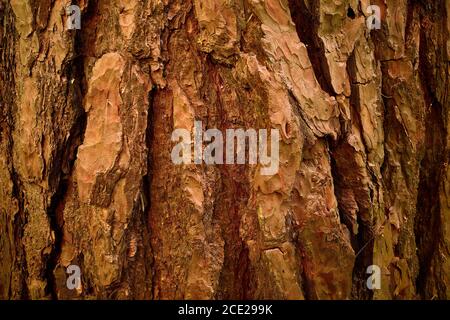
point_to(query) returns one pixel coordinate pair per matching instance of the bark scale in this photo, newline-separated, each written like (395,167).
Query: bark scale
(86,179)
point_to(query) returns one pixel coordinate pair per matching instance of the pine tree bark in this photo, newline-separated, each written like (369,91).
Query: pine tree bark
(86,178)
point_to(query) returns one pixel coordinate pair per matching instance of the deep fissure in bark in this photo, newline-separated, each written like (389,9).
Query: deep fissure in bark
(196,231)
(428,223)
(307,29)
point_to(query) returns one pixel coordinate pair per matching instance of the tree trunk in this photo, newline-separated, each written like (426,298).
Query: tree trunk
(86,176)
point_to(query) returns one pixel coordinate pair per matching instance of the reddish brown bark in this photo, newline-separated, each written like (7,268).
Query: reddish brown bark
(86,178)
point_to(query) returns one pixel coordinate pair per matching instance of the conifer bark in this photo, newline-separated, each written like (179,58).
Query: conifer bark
(86,178)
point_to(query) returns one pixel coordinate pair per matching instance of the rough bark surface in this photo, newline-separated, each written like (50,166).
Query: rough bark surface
(86,179)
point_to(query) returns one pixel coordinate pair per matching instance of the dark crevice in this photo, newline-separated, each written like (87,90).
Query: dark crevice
(342,156)
(307,25)
(364,250)
(338,182)
(351,13)
(147,182)
(363,240)
(427,223)
(230,196)
(65,157)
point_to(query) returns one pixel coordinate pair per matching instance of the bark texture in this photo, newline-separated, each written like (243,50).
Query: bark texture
(86,179)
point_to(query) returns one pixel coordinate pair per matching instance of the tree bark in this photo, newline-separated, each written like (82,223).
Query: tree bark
(86,177)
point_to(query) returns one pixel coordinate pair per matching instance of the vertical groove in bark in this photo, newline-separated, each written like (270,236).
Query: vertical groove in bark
(65,159)
(86,119)
(429,223)
(307,25)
